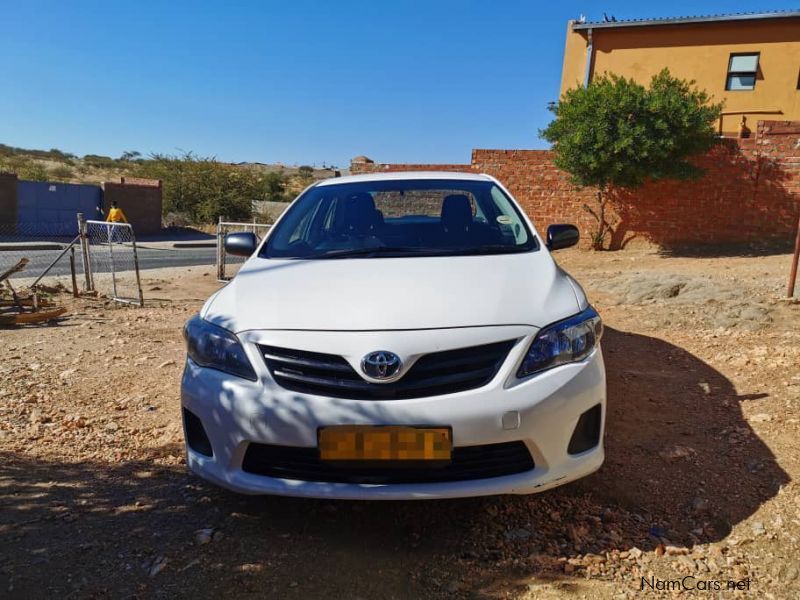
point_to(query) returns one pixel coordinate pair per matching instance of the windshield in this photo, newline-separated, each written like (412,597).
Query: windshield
(391,218)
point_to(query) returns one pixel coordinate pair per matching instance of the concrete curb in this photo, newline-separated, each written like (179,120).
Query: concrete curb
(31,246)
(211,244)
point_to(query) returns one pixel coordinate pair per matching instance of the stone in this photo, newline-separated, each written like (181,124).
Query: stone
(203,536)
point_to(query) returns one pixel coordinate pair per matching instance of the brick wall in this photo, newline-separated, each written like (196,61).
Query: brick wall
(357,168)
(749,193)
(139,199)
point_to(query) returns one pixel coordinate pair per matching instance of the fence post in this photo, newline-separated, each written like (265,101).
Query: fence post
(136,266)
(795,260)
(87,267)
(72,271)
(220,252)
(111,231)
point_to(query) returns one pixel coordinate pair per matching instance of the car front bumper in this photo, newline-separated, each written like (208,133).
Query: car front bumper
(542,411)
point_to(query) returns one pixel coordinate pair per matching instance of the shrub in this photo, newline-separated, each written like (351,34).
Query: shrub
(203,188)
(61,173)
(99,162)
(34,171)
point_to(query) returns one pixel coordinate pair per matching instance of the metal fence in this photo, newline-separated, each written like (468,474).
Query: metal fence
(41,246)
(228,263)
(108,251)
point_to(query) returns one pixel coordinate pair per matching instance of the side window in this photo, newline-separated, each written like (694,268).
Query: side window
(508,218)
(301,231)
(742,72)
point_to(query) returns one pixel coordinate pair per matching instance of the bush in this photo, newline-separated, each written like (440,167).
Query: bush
(204,189)
(34,171)
(61,173)
(176,219)
(99,162)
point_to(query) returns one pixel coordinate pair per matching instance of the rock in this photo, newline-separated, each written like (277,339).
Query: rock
(675,550)
(699,505)
(166,363)
(203,536)
(677,452)
(635,553)
(67,373)
(705,387)
(157,566)
(758,528)
(518,534)
(760,418)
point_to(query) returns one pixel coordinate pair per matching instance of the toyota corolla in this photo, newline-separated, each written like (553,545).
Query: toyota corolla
(396,336)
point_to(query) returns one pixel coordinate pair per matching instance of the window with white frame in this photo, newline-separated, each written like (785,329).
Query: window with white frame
(742,70)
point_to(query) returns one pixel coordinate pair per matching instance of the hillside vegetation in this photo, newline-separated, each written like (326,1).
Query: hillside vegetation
(197,189)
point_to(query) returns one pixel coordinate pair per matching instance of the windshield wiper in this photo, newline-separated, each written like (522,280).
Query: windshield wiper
(374,251)
(412,251)
(488,249)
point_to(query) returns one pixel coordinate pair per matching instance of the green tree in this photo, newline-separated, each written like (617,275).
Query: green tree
(305,172)
(274,187)
(130,155)
(616,133)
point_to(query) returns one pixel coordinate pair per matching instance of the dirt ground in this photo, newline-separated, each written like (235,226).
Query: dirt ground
(703,359)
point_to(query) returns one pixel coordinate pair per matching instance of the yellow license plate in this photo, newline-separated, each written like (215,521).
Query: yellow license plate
(384,443)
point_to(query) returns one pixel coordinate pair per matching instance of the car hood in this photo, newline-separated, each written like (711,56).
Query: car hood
(395,293)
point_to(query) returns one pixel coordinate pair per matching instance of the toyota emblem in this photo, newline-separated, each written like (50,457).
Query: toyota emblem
(381,365)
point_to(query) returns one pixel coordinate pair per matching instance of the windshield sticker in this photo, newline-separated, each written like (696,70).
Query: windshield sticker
(505,220)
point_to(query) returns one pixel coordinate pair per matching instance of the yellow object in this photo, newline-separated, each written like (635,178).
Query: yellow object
(370,442)
(115,215)
(698,49)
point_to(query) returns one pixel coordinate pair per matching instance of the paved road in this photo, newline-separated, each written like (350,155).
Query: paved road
(149,258)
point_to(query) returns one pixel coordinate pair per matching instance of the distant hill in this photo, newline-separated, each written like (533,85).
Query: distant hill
(59,166)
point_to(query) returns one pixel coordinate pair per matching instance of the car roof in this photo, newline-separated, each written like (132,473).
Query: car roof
(406,176)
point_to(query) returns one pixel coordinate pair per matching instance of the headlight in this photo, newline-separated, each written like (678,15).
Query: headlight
(216,348)
(564,342)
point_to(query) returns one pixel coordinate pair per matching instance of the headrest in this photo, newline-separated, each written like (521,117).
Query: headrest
(358,212)
(456,212)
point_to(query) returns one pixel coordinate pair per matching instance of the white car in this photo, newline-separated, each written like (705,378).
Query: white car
(396,336)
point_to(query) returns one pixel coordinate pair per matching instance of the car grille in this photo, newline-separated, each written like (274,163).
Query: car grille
(437,373)
(468,463)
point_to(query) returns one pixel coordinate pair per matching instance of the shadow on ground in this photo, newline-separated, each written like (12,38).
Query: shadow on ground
(682,463)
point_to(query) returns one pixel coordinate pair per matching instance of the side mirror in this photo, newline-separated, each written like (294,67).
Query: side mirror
(241,244)
(562,236)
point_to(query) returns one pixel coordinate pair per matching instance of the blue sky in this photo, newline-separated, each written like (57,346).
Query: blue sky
(297,82)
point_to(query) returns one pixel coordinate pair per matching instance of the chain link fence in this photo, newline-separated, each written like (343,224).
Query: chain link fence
(43,265)
(228,264)
(112,263)
(41,245)
(38,271)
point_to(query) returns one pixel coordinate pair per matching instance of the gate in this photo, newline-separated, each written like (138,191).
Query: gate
(110,260)
(48,209)
(225,260)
